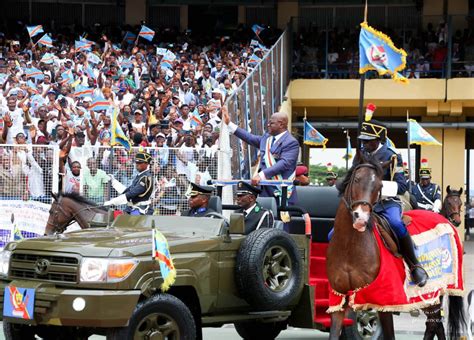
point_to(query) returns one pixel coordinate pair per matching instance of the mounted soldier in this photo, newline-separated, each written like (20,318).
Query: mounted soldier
(427,194)
(137,195)
(374,144)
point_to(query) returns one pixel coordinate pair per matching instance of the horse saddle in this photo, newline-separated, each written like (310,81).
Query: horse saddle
(389,238)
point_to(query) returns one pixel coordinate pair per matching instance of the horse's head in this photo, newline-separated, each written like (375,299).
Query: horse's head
(361,189)
(452,205)
(59,217)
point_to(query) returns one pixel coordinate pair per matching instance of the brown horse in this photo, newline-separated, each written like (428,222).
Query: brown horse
(353,256)
(69,208)
(452,205)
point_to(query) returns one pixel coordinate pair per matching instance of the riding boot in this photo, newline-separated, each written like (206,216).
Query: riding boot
(407,249)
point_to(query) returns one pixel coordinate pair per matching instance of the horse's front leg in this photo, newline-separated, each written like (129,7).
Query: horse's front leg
(386,320)
(336,325)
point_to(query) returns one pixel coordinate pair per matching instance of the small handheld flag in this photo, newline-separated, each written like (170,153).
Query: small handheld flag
(47,58)
(82,46)
(82,91)
(420,136)
(93,58)
(99,103)
(161,252)
(313,136)
(146,33)
(195,119)
(34,73)
(377,52)
(45,40)
(118,137)
(129,37)
(254,60)
(257,29)
(34,30)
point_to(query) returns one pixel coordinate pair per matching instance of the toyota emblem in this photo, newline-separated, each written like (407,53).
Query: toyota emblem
(42,266)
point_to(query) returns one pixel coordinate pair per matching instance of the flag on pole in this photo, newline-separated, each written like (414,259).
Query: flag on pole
(313,136)
(129,38)
(34,30)
(146,33)
(161,252)
(118,137)
(377,52)
(349,153)
(257,29)
(99,103)
(420,136)
(45,40)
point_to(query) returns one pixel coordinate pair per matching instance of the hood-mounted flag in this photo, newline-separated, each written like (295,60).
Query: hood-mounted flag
(377,52)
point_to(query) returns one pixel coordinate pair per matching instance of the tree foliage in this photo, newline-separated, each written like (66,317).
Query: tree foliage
(317,173)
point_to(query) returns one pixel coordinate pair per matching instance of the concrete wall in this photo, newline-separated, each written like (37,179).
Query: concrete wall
(135,11)
(286,10)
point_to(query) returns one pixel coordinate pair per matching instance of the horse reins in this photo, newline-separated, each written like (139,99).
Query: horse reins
(349,202)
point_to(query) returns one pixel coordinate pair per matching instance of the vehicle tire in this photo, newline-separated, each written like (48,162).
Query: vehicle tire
(13,331)
(269,271)
(366,326)
(161,314)
(260,330)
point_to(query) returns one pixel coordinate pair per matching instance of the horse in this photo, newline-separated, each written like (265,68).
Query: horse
(353,255)
(452,205)
(69,208)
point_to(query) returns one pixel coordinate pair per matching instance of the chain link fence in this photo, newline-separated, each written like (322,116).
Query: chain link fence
(172,168)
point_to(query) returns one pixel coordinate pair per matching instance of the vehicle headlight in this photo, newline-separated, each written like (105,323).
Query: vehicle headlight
(5,262)
(106,270)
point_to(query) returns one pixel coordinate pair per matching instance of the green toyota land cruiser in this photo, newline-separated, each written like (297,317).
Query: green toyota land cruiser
(105,281)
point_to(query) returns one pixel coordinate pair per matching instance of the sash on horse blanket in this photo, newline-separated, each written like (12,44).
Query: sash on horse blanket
(439,251)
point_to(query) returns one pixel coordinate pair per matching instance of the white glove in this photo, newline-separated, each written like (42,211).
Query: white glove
(437,206)
(119,187)
(119,200)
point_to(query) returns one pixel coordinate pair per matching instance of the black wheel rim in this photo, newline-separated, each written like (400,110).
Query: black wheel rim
(157,326)
(367,323)
(277,269)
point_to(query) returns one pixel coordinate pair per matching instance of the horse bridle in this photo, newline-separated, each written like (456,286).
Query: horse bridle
(59,229)
(450,215)
(348,201)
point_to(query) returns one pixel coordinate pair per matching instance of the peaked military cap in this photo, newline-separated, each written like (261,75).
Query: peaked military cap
(194,190)
(425,173)
(331,175)
(372,129)
(142,157)
(246,188)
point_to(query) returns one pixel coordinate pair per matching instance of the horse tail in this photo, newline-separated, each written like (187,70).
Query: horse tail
(456,318)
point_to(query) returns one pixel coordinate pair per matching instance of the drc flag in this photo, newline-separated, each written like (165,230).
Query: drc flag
(420,136)
(146,33)
(313,136)
(377,52)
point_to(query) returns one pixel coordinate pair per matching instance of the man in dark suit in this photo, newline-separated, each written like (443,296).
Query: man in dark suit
(278,152)
(198,199)
(255,216)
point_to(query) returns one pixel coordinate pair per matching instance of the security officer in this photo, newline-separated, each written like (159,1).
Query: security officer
(255,216)
(373,137)
(137,195)
(427,194)
(331,176)
(198,199)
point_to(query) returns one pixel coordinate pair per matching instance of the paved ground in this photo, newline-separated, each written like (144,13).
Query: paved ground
(407,327)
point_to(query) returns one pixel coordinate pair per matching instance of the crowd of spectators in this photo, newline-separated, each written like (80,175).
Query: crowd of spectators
(166,94)
(335,53)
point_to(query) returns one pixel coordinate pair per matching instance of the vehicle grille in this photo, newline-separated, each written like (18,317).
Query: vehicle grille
(60,269)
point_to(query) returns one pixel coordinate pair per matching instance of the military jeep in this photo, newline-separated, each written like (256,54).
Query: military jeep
(104,281)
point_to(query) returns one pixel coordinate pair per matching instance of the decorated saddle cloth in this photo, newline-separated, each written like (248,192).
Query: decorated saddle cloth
(439,251)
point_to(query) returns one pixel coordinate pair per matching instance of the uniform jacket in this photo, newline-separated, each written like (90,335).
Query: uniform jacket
(257,218)
(431,191)
(200,212)
(285,151)
(141,188)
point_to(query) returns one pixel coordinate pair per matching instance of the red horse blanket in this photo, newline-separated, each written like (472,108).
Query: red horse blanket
(439,251)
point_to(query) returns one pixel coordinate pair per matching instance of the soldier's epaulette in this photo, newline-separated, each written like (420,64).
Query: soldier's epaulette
(391,148)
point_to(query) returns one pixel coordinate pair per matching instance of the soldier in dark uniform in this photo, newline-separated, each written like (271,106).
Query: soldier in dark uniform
(427,194)
(198,199)
(331,176)
(137,195)
(373,137)
(255,216)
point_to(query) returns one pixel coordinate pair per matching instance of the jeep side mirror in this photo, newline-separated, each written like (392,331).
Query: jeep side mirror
(237,224)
